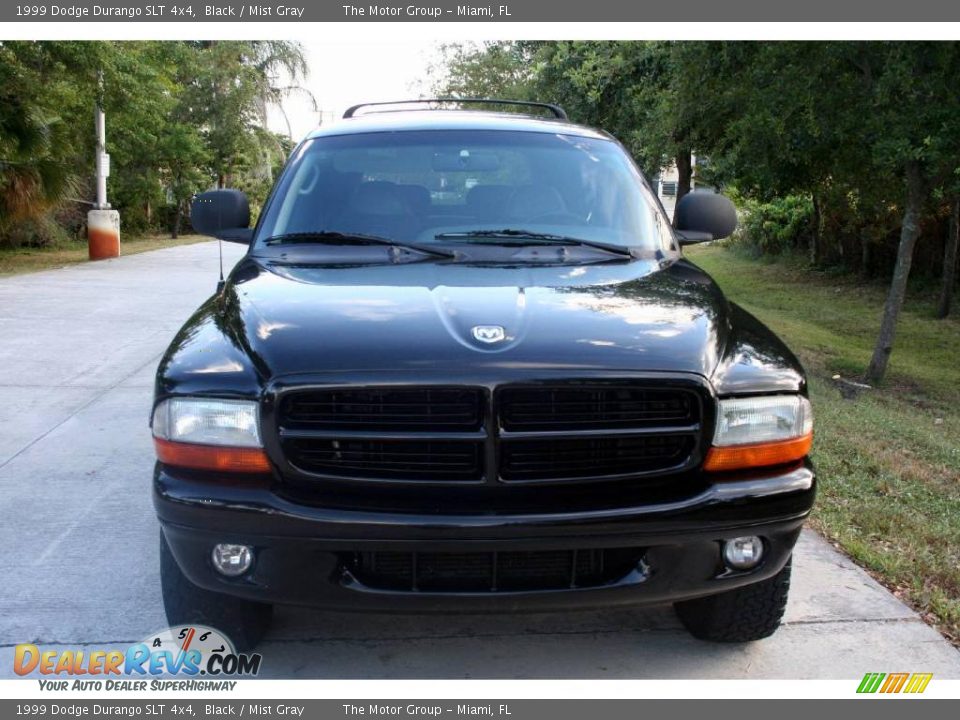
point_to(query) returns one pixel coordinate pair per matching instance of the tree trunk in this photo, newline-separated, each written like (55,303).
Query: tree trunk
(177,220)
(684,173)
(816,241)
(909,231)
(950,260)
(865,253)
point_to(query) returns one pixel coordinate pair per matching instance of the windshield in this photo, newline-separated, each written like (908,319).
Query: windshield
(439,186)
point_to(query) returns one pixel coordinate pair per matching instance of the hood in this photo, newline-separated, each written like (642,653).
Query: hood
(644,315)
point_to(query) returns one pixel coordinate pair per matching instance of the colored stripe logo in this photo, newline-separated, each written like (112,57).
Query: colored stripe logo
(894,683)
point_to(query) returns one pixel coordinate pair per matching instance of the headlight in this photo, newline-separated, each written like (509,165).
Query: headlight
(207,422)
(760,431)
(209,434)
(762,419)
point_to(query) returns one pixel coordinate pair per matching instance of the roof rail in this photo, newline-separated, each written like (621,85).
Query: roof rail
(558,112)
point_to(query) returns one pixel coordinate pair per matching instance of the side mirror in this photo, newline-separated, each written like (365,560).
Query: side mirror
(223,214)
(704,216)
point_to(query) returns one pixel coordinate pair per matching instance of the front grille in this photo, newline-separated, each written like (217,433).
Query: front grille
(385,433)
(595,430)
(595,407)
(582,458)
(384,408)
(490,572)
(589,430)
(409,460)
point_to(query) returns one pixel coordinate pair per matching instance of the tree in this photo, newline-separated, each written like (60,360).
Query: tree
(864,125)
(235,82)
(503,69)
(909,231)
(614,85)
(180,116)
(623,87)
(950,259)
(141,89)
(41,87)
(915,122)
(869,131)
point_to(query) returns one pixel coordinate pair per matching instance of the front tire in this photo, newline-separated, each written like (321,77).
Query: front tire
(243,621)
(748,613)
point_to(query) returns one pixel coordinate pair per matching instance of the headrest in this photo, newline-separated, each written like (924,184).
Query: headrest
(378,197)
(487,196)
(417,197)
(533,200)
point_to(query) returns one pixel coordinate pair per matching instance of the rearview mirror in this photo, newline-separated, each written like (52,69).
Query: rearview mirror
(466,161)
(703,216)
(223,214)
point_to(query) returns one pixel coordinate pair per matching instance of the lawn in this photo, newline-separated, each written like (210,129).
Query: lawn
(889,461)
(24,260)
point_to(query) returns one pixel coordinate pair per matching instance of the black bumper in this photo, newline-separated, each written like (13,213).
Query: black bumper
(302,551)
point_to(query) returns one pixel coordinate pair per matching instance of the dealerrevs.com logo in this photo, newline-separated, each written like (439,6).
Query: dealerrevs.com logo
(187,651)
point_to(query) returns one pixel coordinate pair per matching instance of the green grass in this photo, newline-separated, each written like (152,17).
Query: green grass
(14,261)
(889,461)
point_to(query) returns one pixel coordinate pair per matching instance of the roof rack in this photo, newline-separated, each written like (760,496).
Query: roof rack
(558,112)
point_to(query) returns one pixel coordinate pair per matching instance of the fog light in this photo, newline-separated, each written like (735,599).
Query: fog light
(232,560)
(743,553)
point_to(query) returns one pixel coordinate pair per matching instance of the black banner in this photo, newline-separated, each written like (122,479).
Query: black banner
(170,709)
(497,12)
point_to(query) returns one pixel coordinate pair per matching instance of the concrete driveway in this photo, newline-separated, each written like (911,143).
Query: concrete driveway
(79,538)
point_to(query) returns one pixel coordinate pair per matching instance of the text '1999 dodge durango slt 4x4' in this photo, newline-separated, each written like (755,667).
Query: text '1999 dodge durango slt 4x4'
(465,367)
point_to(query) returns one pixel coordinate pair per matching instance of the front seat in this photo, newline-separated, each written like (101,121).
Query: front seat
(377,207)
(530,202)
(486,203)
(417,198)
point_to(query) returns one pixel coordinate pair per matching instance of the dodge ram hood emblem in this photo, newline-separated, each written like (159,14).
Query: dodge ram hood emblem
(489,333)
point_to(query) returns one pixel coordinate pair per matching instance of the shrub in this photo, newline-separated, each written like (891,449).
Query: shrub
(39,231)
(777,227)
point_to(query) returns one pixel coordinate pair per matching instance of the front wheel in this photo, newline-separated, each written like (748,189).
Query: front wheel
(752,612)
(243,621)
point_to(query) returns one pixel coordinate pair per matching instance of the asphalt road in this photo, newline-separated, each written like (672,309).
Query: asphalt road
(79,538)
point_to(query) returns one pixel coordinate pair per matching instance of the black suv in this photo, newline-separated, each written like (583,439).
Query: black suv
(465,367)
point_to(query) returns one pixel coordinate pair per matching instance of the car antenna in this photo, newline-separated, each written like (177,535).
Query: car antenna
(220,283)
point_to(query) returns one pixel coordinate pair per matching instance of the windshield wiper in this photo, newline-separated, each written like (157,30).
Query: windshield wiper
(335,237)
(544,238)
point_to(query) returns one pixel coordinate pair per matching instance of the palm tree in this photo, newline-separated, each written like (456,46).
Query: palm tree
(34,174)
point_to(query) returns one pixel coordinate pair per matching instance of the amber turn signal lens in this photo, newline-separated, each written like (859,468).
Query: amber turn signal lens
(738,457)
(212,457)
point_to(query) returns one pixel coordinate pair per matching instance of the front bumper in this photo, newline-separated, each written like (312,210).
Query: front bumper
(301,550)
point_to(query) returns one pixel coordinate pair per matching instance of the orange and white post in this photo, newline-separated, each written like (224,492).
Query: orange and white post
(103,223)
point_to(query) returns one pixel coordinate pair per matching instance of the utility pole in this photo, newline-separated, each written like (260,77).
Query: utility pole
(103,159)
(103,223)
